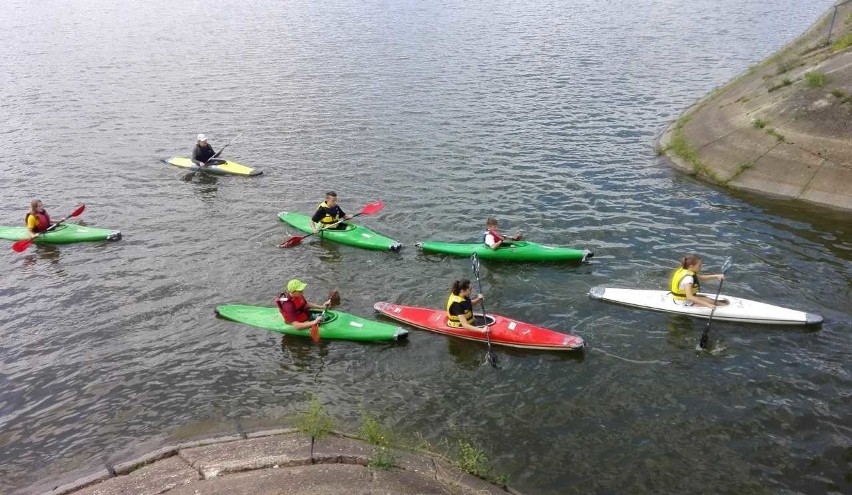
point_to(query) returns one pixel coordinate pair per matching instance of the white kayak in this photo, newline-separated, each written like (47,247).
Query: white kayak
(737,309)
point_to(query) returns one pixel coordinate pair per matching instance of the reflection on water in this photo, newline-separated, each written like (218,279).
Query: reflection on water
(47,253)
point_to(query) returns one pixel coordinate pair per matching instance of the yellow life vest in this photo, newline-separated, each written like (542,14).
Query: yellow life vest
(679,275)
(453,320)
(328,219)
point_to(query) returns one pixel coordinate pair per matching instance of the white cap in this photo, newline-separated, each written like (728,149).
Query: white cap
(202,137)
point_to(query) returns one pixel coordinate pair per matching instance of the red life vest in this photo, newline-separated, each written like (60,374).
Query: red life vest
(297,307)
(497,235)
(42,218)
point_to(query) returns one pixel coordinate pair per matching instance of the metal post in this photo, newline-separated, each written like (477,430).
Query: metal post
(828,40)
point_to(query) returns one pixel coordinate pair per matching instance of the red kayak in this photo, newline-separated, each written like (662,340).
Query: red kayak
(504,331)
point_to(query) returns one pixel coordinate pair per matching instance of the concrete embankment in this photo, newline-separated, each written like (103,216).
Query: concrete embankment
(782,129)
(280,462)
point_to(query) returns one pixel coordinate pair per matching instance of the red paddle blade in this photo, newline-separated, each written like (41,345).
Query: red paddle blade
(371,208)
(21,245)
(78,211)
(315,333)
(293,241)
(334,297)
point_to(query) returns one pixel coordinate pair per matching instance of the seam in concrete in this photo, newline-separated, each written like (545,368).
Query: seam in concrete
(239,427)
(134,464)
(271,433)
(740,172)
(738,129)
(816,171)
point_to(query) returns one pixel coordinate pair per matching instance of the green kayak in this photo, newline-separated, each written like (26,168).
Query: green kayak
(516,251)
(354,235)
(336,326)
(64,234)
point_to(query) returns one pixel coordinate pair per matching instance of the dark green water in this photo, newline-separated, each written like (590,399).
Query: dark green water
(541,113)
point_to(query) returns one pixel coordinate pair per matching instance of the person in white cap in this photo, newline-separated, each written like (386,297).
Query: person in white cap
(202,151)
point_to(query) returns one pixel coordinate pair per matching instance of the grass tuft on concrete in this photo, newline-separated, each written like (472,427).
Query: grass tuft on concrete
(784,83)
(777,135)
(842,43)
(741,167)
(816,79)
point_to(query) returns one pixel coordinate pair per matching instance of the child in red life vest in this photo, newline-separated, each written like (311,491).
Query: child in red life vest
(38,221)
(494,239)
(295,308)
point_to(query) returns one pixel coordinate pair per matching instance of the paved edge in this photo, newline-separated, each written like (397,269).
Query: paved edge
(784,174)
(441,470)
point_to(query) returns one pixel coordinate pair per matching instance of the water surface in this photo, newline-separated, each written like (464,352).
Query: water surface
(541,113)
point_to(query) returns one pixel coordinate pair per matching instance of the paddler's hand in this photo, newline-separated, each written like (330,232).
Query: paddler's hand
(327,303)
(317,320)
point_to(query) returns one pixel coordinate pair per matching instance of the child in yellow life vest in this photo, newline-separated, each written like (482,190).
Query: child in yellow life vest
(460,306)
(329,214)
(685,283)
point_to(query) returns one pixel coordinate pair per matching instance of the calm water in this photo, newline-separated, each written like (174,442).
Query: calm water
(542,113)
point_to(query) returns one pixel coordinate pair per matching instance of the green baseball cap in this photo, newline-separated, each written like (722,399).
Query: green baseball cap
(296,285)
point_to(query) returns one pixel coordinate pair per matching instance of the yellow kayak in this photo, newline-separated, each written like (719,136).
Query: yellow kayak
(216,166)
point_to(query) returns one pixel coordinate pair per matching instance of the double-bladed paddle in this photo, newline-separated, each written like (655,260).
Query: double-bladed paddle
(334,300)
(702,344)
(25,243)
(490,357)
(368,209)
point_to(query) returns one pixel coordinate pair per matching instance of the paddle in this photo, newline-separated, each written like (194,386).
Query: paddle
(334,300)
(368,209)
(490,357)
(702,344)
(25,243)
(215,155)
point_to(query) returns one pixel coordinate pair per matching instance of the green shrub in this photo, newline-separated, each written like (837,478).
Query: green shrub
(383,459)
(473,459)
(759,123)
(838,93)
(816,79)
(373,432)
(315,421)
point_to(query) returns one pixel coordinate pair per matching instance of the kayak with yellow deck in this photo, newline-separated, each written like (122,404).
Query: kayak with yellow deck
(216,166)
